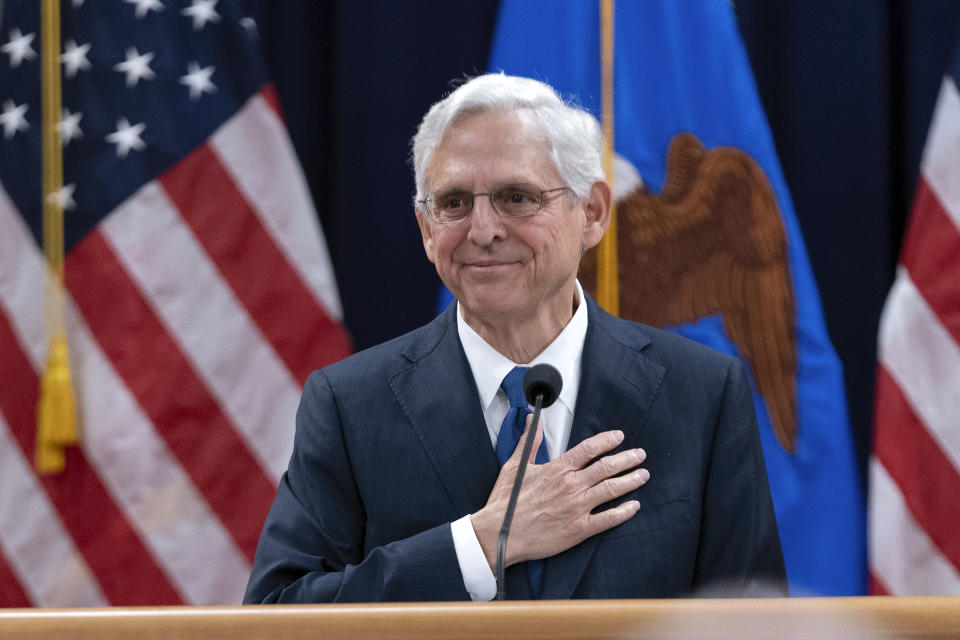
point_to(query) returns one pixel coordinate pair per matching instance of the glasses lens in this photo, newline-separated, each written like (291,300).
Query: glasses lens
(450,206)
(517,200)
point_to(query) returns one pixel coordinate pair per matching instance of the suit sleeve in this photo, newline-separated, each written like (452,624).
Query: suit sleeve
(312,545)
(739,551)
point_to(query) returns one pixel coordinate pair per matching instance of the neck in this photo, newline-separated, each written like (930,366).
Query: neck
(523,339)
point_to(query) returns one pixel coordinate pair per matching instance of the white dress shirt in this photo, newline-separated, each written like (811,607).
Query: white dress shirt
(489,367)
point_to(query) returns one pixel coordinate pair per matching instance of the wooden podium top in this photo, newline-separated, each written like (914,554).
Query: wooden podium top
(847,618)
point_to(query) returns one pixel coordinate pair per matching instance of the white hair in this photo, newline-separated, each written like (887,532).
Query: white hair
(574,135)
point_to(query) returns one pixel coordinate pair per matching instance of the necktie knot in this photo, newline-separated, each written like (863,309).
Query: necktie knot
(512,385)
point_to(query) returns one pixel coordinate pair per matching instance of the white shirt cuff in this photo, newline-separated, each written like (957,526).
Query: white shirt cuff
(477,576)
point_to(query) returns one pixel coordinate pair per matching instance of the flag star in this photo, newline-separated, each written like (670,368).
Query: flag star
(250,25)
(63,197)
(74,57)
(127,137)
(198,80)
(18,48)
(144,7)
(13,119)
(77,4)
(202,12)
(136,66)
(69,126)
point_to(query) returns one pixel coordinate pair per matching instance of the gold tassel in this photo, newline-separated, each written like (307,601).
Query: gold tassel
(56,416)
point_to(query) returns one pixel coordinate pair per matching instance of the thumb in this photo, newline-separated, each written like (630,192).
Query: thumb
(537,439)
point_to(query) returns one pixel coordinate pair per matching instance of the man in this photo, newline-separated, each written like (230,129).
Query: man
(395,490)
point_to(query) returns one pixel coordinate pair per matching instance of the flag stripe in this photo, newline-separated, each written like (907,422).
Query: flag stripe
(875,587)
(41,556)
(133,461)
(77,494)
(919,468)
(254,388)
(257,271)
(931,253)
(901,555)
(941,161)
(168,389)
(280,198)
(11,594)
(924,361)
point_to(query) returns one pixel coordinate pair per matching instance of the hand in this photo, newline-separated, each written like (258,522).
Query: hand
(554,506)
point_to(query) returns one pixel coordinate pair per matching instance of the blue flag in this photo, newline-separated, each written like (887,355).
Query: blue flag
(681,67)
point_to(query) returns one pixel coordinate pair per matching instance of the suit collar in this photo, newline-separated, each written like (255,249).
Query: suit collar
(617,383)
(439,398)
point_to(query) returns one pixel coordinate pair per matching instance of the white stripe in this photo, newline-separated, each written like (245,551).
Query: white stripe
(38,548)
(255,149)
(941,155)
(923,359)
(237,364)
(902,556)
(133,462)
(21,289)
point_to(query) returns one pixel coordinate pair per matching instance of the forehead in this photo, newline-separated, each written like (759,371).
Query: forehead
(489,148)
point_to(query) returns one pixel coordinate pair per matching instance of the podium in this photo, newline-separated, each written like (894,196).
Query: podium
(847,618)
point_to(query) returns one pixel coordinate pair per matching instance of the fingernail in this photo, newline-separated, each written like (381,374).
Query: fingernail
(644,475)
(641,455)
(618,435)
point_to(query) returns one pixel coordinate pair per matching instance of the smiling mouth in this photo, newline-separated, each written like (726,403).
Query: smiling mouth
(491,264)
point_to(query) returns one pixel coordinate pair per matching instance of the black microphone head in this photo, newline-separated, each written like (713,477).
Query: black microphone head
(542,379)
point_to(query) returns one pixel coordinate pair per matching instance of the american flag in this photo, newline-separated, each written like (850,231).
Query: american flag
(915,467)
(199,296)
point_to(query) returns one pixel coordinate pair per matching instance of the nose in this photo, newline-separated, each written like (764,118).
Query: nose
(486,225)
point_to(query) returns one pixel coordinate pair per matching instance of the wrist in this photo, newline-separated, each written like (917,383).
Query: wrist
(487,528)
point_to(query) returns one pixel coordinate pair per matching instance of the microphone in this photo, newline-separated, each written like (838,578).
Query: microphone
(541,386)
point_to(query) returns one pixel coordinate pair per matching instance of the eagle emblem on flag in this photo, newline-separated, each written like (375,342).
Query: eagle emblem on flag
(713,242)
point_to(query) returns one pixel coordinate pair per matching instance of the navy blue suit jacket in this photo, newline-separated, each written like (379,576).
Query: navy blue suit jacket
(391,447)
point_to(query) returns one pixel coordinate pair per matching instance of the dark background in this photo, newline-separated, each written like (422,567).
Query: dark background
(848,87)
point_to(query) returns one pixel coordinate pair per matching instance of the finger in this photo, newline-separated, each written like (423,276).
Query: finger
(592,447)
(537,439)
(609,466)
(609,518)
(613,488)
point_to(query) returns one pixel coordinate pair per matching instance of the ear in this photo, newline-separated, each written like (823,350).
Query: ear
(426,232)
(596,209)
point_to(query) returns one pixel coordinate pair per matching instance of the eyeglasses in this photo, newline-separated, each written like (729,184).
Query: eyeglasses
(511,201)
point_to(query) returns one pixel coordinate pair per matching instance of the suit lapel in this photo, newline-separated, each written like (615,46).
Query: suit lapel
(617,383)
(439,398)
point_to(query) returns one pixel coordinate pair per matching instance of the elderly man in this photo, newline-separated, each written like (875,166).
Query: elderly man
(405,453)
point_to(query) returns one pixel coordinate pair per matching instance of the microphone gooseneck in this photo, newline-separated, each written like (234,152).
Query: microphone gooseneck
(541,386)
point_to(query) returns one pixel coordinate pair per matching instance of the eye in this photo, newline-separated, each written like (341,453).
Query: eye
(517,200)
(452,202)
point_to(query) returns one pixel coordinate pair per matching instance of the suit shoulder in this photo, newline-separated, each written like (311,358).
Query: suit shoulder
(678,353)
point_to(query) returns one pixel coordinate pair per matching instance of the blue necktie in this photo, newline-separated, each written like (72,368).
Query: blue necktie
(511,429)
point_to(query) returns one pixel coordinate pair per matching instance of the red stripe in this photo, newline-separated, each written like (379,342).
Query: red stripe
(269,94)
(127,573)
(931,253)
(929,482)
(259,273)
(875,587)
(170,391)
(11,593)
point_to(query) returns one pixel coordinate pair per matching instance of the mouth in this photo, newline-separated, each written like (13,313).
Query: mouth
(490,264)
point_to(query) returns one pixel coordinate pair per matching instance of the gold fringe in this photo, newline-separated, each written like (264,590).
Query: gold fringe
(56,423)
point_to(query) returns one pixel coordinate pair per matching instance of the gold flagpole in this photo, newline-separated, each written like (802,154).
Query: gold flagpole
(56,423)
(608,290)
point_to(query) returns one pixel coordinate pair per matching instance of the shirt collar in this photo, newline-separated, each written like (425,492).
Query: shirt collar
(489,366)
